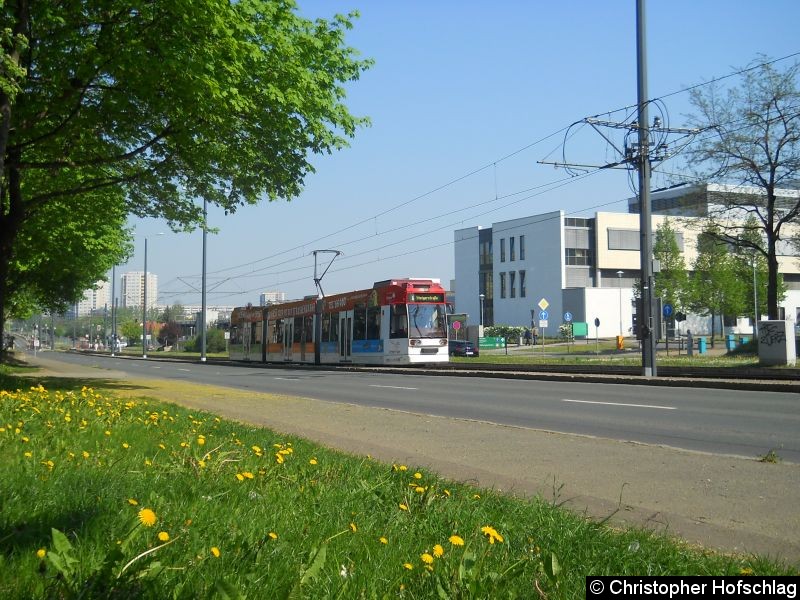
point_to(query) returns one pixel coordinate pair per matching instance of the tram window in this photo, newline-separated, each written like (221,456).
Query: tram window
(360,322)
(277,331)
(326,327)
(298,329)
(398,321)
(236,335)
(334,327)
(309,328)
(374,323)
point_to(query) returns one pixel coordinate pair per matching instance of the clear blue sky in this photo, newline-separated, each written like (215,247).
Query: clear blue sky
(456,87)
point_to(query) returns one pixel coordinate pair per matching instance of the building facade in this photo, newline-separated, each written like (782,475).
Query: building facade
(583,266)
(95,299)
(267,298)
(132,289)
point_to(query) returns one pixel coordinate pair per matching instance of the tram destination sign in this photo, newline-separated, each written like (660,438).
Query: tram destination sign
(426,297)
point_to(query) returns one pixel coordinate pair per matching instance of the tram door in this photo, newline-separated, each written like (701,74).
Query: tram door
(288,338)
(345,334)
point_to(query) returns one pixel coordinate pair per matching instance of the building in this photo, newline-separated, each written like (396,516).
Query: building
(584,266)
(95,299)
(132,289)
(267,298)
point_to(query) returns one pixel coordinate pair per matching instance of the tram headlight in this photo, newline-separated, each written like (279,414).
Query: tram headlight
(414,342)
(443,342)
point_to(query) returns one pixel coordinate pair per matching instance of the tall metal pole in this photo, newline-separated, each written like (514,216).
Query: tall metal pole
(203,291)
(144,305)
(645,225)
(755,301)
(113,308)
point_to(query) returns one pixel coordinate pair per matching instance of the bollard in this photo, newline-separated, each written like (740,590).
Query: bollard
(701,345)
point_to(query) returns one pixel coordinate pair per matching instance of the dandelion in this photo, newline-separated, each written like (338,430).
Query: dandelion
(240,477)
(162,446)
(313,461)
(476,496)
(85,454)
(353,527)
(419,489)
(248,475)
(201,440)
(126,445)
(403,506)
(456,540)
(402,468)
(41,553)
(383,540)
(147,517)
(417,475)
(446,492)
(279,459)
(28,455)
(214,551)
(272,535)
(742,571)
(133,502)
(492,534)
(163,536)
(438,551)
(107,432)
(408,566)
(426,558)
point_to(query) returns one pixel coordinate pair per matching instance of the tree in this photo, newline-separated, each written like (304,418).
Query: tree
(152,106)
(716,288)
(169,333)
(756,144)
(130,330)
(671,281)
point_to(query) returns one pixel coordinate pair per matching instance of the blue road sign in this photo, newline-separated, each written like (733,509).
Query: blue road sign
(543,314)
(667,310)
(568,316)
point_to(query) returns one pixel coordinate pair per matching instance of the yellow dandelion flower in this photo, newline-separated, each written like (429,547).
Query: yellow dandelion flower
(201,464)
(248,475)
(492,534)
(477,496)
(107,432)
(147,517)
(163,536)
(279,459)
(25,439)
(215,551)
(162,446)
(447,492)
(353,527)
(417,475)
(426,558)
(419,489)
(746,571)
(438,551)
(240,477)
(313,461)
(41,553)
(273,535)
(408,566)
(456,540)
(403,507)
(187,522)
(28,455)
(201,441)
(383,540)
(126,445)
(402,468)
(147,462)
(85,454)
(133,502)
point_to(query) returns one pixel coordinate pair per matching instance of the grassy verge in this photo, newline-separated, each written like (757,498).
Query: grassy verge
(104,497)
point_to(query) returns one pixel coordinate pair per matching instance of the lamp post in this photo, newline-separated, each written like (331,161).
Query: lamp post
(481,297)
(755,300)
(203,294)
(619,285)
(144,302)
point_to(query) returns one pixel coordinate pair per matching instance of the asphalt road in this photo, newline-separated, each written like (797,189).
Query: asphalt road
(740,423)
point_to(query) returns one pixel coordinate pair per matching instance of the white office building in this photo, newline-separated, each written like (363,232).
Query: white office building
(267,298)
(583,266)
(132,289)
(95,299)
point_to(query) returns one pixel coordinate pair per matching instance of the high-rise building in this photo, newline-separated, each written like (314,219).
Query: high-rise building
(132,289)
(95,299)
(271,297)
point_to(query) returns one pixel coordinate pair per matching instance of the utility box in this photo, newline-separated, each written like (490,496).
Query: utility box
(776,345)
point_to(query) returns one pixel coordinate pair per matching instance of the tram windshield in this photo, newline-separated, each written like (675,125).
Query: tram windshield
(427,321)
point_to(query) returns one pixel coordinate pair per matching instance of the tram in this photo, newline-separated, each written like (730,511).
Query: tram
(395,322)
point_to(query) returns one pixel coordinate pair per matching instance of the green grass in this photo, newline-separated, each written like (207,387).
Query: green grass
(285,515)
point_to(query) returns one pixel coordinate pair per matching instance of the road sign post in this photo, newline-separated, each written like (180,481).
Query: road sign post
(597,336)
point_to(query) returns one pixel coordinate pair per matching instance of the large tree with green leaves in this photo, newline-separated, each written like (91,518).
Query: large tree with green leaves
(156,105)
(753,144)
(671,280)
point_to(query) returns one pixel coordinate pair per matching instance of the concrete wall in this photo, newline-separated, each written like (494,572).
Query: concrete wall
(466,249)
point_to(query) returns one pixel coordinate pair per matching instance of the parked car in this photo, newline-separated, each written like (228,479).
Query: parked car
(462,348)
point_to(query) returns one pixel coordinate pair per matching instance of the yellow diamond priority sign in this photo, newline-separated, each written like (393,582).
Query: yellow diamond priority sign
(543,304)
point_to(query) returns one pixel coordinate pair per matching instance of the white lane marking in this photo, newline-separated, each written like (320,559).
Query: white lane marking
(393,387)
(155,367)
(187,370)
(620,404)
(287,378)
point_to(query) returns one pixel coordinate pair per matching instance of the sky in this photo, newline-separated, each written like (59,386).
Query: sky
(465,98)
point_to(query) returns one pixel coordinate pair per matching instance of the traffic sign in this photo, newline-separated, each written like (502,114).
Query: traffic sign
(543,304)
(568,316)
(667,310)
(543,323)
(597,322)
(543,314)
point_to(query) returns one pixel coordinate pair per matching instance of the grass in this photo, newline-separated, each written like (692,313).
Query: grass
(131,498)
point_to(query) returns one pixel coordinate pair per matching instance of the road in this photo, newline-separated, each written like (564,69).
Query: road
(740,423)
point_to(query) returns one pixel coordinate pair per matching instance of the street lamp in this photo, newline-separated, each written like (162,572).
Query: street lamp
(203,295)
(755,299)
(481,297)
(619,285)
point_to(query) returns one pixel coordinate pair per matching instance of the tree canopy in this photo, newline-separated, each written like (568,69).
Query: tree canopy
(151,106)
(755,149)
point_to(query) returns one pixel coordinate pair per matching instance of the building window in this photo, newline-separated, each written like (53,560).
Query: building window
(486,254)
(512,280)
(577,257)
(512,251)
(502,249)
(502,285)
(623,239)
(521,251)
(521,274)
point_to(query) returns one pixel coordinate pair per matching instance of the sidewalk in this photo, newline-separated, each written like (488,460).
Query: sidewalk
(725,503)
